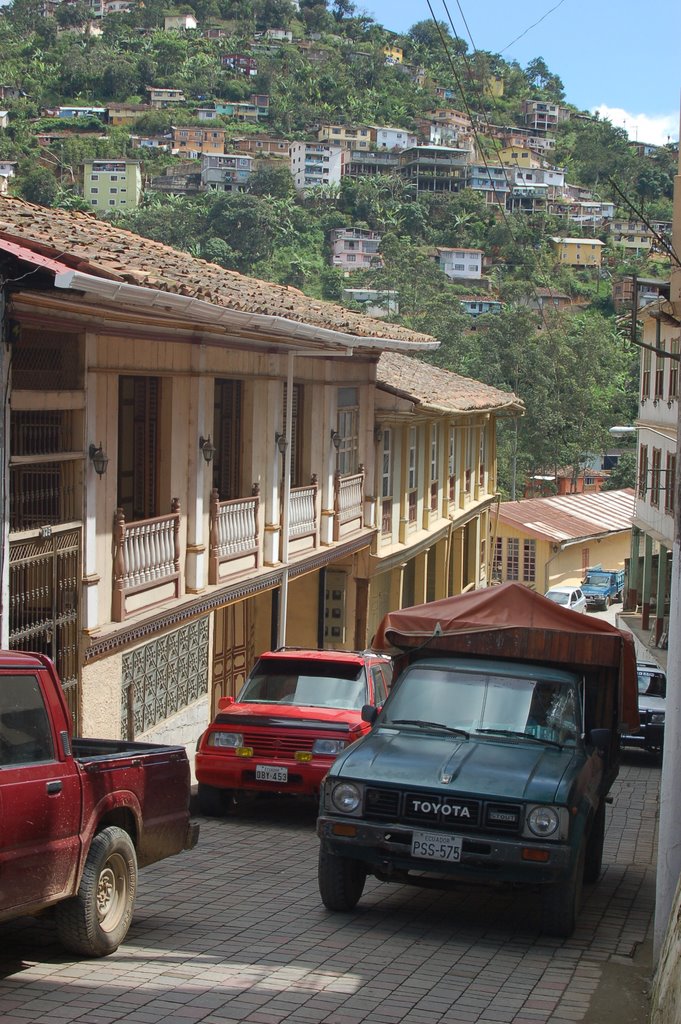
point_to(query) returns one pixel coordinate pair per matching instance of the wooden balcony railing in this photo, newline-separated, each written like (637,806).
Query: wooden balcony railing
(234,533)
(303,511)
(146,558)
(348,502)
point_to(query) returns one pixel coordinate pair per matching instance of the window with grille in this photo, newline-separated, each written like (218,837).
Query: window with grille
(138,419)
(434,465)
(470,448)
(655,474)
(529,561)
(670,483)
(227,438)
(296,432)
(512,558)
(674,369)
(411,475)
(347,458)
(387,482)
(47,361)
(498,558)
(643,471)
(645,375)
(483,455)
(451,463)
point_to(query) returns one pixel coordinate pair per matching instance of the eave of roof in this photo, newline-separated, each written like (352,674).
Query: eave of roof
(568,518)
(95,252)
(440,391)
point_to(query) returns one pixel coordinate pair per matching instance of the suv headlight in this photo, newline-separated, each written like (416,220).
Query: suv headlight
(231,740)
(543,822)
(331,748)
(346,797)
(656,718)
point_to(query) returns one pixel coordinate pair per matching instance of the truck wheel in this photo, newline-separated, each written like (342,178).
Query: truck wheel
(96,920)
(606,604)
(561,902)
(593,857)
(341,881)
(215,802)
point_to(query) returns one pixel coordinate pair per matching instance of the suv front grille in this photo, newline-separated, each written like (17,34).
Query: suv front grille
(265,745)
(431,810)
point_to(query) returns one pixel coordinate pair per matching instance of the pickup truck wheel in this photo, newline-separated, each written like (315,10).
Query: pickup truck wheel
(215,802)
(561,902)
(606,604)
(341,881)
(96,920)
(593,857)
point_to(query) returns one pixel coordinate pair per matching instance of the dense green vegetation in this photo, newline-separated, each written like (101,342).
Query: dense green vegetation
(576,372)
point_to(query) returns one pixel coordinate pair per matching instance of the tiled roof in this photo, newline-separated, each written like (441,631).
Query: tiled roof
(437,390)
(96,247)
(571,516)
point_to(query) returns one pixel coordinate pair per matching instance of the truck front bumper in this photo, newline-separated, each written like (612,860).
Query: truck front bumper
(385,850)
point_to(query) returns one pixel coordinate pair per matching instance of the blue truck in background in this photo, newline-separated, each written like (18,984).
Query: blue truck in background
(602,586)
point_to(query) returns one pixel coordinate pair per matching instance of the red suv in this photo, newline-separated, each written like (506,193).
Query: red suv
(297,711)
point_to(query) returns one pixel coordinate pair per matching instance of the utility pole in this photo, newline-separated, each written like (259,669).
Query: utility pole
(669,838)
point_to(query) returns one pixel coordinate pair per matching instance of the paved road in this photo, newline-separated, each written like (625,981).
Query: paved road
(234,931)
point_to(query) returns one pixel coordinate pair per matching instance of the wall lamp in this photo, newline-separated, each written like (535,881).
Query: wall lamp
(336,439)
(207,448)
(378,433)
(99,458)
(280,441)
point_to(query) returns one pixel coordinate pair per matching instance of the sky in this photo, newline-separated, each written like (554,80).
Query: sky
(611,55)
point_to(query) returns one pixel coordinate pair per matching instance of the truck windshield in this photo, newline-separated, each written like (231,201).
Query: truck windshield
(485,703)
(598,581)
(307,686)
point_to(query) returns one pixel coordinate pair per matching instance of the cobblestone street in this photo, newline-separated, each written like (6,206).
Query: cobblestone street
(235,931)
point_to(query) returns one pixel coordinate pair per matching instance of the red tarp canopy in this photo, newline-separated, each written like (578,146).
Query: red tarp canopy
(512,621)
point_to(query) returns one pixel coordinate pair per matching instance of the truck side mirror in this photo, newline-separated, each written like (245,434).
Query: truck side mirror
(600,739)
(369,713)
(225,702)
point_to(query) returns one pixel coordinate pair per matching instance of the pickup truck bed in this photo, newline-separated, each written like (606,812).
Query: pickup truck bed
(79,816)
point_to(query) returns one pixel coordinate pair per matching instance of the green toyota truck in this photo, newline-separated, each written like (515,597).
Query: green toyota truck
(492,757)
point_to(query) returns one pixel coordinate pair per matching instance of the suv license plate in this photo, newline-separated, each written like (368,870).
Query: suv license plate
(268,773)
(436,846)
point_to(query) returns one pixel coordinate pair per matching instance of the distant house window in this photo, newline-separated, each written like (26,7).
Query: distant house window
(674,369)
(529,561)
(512,558)
(94,177)
(645,375)
(451,463)
(497,559)
(659,373)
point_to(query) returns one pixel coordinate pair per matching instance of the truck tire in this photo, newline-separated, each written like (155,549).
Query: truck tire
(341,881)
(593,857)
(96,920)
(215,802)
(606,603)
(561,902)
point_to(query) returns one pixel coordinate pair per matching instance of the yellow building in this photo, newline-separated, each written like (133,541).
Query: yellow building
(548,542)
(393,54)
(345,136)
(516,156)
(578,252)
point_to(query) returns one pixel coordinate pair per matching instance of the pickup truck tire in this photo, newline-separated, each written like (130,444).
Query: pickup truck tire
(561,902)
(96,920)
(341,881)
(593,857)
(215,802)
(606,603)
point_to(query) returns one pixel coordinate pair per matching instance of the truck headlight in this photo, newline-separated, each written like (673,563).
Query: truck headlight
(231,740)
(543,821)
(346,797)
(657,718)
(329,747)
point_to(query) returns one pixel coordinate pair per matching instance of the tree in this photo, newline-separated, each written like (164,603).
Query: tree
(246,223)
(38,185)
(271,181)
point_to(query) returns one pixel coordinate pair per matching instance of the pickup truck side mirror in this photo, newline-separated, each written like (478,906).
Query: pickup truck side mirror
(369,713)
(600,739)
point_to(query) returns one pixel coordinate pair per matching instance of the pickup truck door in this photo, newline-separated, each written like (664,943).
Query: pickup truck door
(40,799)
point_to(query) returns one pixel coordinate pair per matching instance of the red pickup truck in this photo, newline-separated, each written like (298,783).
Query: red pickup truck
(297,711)
(79,816)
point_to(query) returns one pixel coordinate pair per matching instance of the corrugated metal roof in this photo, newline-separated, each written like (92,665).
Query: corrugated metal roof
(567,517)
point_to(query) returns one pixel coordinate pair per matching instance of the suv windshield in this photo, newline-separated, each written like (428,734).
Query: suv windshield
(306,683)
(485,703)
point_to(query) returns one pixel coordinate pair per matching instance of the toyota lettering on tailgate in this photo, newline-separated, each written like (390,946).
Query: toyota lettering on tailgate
(441,809)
